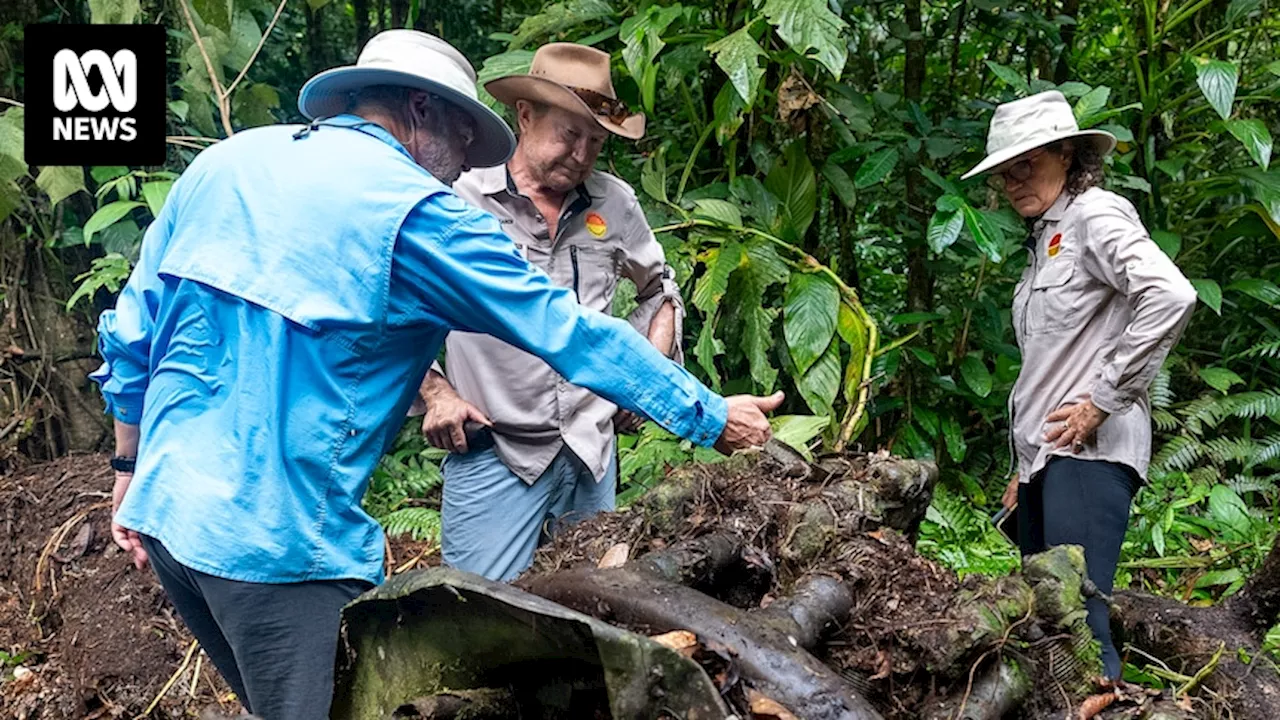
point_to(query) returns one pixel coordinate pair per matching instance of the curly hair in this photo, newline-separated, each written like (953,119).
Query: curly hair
(1086,169)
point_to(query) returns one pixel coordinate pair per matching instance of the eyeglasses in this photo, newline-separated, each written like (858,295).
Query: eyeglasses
(1018,172)
(613,109)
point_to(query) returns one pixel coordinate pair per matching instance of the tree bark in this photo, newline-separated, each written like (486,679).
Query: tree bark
(399,13)
(361,9)
(1062,72)
(919,283)
(1258,604)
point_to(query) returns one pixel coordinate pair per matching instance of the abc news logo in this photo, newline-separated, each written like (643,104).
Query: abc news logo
(95,94)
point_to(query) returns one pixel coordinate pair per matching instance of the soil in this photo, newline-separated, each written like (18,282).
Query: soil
(90,636)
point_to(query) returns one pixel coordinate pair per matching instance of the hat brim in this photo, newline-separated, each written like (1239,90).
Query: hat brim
(1103,140)
(507,90)
(329,92)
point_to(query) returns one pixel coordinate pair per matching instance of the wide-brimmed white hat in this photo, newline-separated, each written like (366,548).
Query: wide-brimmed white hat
(425,62)
(1024,125)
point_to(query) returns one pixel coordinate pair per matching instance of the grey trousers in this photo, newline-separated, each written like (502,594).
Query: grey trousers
(274,644)
(1086,503)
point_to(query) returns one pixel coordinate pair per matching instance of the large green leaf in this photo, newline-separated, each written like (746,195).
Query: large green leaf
(809,316)
(653,176)
(819,384)
(11,197)
(792,181)
(706,350)
(1258,289)
(1209,292)
(738,55)
(60,182)
(728,108)
(976,375)
(810,25)
(798,430)
(721,262)
(1217,80)
(875,168)
(512,62)
(106,216)
(155,194)
(1220,379)
(1255,137)
(1228,511)
(957,448)
(1240,9)
(1011,77)
(642,36)
(986,234)
(214,12)
(245,36)
(761,204)
(252,104)
(944,228)
(113,12)
(757,340)
(559,17)
(1091,105)
(841,183)
(721,211)
(11,135)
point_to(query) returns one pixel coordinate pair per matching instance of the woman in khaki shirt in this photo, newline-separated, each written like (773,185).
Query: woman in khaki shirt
(1097,310)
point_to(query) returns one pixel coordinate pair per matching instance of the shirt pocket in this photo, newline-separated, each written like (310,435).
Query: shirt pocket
(595,275)
(1054,301)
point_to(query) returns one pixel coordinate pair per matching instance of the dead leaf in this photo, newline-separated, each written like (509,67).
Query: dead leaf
(79,545)
(1201,544)
(795,96)
(615,556)
(1184,703)
(1095,704)
(764,707)
(678,640)
(884,665)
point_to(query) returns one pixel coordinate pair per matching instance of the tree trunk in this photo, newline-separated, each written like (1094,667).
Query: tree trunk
(1062,73)
(919,283)
(315,40)
(361,9)
(399,13)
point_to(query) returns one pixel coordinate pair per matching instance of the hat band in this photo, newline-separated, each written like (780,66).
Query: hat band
(603,105)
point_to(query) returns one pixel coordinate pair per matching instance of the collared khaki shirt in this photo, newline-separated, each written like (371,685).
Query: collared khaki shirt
(602,236)
(1097,310)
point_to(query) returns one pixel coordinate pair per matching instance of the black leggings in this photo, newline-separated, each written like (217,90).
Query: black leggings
(1086,503)
(274,644)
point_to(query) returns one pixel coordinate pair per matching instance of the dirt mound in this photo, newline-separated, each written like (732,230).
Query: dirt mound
(83,634)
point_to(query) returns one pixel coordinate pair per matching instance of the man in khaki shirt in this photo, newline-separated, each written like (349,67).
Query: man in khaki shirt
(553,452)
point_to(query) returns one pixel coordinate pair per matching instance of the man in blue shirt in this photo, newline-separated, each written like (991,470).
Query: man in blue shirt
(288,300)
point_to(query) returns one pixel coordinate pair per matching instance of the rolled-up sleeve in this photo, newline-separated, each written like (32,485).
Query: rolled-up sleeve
(125,332)
(644,264)
(471,276)
(1122,255)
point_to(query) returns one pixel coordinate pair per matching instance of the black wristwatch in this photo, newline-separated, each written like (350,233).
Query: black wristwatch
(123,464)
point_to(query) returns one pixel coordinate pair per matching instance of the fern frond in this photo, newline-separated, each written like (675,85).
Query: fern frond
(1265,403)
(1164,420)
(419,522)
(1180,453)
(1264,350)
(1223,450)
(1268,451)
(1204,411)
(1205,475)
(1161,392)
(1247,483)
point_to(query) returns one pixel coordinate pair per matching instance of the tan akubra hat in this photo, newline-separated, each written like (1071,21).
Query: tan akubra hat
(1023,125)
(575,78)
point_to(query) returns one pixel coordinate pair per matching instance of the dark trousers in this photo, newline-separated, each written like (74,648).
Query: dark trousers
(274,644)
(1086,503)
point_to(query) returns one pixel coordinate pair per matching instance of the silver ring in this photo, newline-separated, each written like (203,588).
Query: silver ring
(1066,424)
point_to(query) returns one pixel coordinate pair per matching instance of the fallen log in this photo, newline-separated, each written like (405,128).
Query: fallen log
(767,648)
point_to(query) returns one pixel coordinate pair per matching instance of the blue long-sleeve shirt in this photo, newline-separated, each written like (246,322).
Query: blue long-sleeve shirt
(269,342)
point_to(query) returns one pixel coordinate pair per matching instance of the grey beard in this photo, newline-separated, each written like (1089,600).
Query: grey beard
(434,155)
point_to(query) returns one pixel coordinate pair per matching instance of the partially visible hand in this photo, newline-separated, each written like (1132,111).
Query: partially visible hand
(443,423)
(1077,425)
(747,425)
(1011,493)
(626,422)
(127,539)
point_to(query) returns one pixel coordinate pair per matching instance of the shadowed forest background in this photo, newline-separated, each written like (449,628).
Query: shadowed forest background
(801,170)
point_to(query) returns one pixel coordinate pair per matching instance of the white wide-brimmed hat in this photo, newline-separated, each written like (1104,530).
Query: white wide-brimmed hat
(1024,125)
(417,60)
